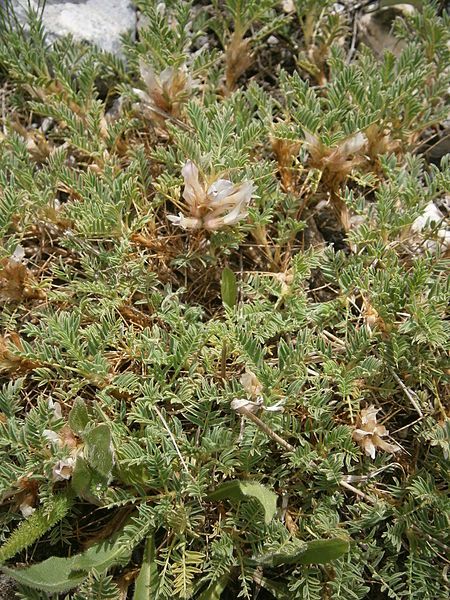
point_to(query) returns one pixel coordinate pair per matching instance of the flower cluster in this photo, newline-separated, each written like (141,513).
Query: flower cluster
(166,92)
(369,434)
(222,203)
(337,161)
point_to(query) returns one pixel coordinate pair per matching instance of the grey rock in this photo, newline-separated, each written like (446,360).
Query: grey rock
(441,147)
(100,22)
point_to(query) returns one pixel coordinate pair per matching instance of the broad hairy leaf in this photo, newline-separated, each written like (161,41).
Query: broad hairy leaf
(305,553)
(147,581)
(418,4)
(215,589)
(78,416)
(81,477)
(57,574)
(228,286)
(99,451)
(239,490)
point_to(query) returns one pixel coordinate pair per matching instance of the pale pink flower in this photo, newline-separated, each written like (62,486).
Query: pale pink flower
(63,469)
(288,6)
(222,203)
(254,407)
(18,255)
(369,434)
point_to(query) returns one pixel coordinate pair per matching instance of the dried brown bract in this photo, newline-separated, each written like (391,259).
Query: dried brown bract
(238,59)
(15,279)
(285,151)
(336,163)
(369,433)
(379,141)
(9,361)
(212,207)
(251,383)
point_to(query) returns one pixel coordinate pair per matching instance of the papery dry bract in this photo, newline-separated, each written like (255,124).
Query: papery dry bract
(238,58)
(339,160)
(11,362)
(221,204)
(251,383)
(286,151)
(254,407)
(369,434)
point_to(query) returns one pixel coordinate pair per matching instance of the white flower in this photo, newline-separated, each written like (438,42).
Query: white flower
(254,407)
(353,144)
(221,204)
(277,407)
(288,6)
(51,436)
(432,217)
(62,470)
(185,222)
(369,433)
(18,255)
(55,407)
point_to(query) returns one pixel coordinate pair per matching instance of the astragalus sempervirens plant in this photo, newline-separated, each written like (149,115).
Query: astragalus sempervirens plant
(197,405)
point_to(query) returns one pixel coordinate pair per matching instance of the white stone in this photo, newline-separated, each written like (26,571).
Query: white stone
(100,22)
(375,29)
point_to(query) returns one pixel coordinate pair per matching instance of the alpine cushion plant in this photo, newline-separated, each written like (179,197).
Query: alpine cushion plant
(224,295)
